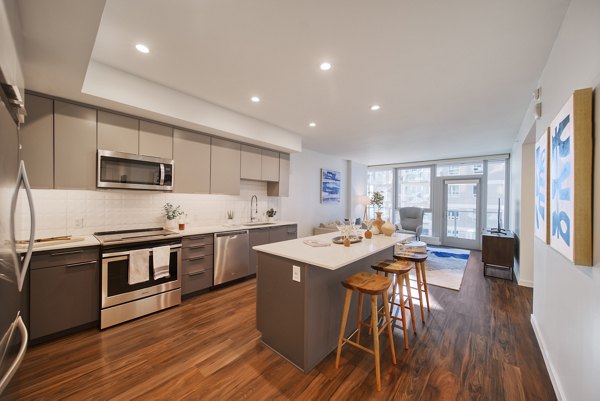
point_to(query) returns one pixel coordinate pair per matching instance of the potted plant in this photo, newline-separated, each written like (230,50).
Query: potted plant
(271,213)
(230,215)
(377,200)
(171,213)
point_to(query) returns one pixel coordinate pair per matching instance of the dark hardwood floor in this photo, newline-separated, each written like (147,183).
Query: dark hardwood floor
(476,344)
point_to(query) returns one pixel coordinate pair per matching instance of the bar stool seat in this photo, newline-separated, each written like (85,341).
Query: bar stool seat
(400,270)
(372,285)
(421,272)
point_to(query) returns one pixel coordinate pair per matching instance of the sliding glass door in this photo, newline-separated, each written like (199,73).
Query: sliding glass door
(462,202)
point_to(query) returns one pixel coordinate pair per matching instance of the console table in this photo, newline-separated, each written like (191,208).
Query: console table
(498,251)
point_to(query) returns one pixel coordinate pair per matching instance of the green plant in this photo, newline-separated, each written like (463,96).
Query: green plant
(377,199)
(172,212)
(271,212)
(230,214)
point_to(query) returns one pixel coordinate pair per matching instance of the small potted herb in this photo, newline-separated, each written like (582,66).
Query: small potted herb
(230,215)
(171,213)
(271,213)
(377,200)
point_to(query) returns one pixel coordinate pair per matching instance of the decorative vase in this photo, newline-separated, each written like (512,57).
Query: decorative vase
(368,234)
(346,241)
(375,230)
(378,222)
(269,219)
(388,228)
(170,224)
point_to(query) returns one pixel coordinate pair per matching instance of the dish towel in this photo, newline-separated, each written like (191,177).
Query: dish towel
(160,260)
(139,270)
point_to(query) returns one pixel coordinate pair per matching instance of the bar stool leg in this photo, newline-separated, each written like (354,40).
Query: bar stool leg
(388,321)
(419,286)
(374,319)
(410,302)
(423,271)
(343,328)
(403,314)
(359,319)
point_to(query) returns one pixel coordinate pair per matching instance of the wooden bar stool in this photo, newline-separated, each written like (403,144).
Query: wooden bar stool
(372,285)
(419,260)
(400,271)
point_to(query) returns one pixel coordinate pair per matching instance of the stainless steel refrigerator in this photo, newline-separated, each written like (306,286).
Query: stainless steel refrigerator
(13,267)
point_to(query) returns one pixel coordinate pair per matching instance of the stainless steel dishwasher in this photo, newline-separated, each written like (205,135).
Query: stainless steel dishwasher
(232,256)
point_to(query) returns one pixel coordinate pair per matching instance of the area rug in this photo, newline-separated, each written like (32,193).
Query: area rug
(446,266)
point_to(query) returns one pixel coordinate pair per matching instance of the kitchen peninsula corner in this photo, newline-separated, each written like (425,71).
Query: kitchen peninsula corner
(300,319)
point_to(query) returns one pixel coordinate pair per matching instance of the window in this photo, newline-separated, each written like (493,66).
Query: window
(414,189)
(382,181)
(496,190)
(467,168)
(453,191)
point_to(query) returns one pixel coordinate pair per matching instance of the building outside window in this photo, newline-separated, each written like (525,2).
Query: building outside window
(496,189)
(414,190)
(381,181)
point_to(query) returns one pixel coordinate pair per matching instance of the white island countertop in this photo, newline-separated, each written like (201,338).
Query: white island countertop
(334,256)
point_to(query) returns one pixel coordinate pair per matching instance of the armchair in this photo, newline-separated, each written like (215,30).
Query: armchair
(411,220)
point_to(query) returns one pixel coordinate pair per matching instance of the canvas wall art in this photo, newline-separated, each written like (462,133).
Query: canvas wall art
(331,182)
(542,189)
(571,156)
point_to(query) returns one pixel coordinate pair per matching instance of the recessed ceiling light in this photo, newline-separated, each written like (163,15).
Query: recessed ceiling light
(312,124)
(142,48)
(255,99)
(325,66)
(375,107)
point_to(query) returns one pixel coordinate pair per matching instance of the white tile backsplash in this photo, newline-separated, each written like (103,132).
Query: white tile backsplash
(75,212)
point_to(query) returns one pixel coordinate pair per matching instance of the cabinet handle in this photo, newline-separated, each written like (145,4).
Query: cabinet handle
(197,246)
(197,273)
(66,253)
(82,263)
(196,258)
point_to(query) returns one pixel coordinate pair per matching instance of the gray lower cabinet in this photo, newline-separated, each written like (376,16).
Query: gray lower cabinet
(283,233)
(197,263)
(225,162)
(191,153)
(117,132)
(156,140)
(36,138)
(258,236)
(74,146)
(281,187)
(64,290)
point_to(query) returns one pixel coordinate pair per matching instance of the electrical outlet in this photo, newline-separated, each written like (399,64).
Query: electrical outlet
(296,273)
(79,222)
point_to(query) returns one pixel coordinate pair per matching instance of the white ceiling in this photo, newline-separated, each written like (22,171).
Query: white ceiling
(453,78)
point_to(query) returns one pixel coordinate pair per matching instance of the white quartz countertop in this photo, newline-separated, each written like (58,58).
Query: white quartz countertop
(334,256)
(224,228)
(76,241)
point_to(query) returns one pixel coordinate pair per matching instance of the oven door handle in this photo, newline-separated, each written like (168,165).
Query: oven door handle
(174,248)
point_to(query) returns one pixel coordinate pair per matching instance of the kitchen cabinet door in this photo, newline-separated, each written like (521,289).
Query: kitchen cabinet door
(36,138)
(74,146)
(156,140)
(63,297)
(118,133)
(282,187)
(258,236)
(270,165)
(277,234)
(225,163)
(251,163)
(191,153)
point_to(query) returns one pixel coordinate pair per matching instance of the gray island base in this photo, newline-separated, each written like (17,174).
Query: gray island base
(300,320)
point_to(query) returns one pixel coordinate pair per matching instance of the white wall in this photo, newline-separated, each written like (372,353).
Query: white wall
(357,188)
(566,299)
(524,229)
(304,203)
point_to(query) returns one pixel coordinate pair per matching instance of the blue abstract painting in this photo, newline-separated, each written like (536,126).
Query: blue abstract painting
(331,182)
(562,181)
(541,188)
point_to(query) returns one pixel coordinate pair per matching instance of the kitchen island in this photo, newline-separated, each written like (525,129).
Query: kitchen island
(300,296)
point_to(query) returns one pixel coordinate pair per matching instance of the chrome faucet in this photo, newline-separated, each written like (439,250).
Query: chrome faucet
(256,207)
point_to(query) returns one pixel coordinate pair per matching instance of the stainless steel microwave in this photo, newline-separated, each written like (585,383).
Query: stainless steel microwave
(129,171)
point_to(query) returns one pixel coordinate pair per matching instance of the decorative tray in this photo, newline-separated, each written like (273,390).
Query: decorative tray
(353,239)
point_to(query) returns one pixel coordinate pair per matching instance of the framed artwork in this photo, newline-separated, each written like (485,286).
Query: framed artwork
(571,157)
(542,189)
(331,182)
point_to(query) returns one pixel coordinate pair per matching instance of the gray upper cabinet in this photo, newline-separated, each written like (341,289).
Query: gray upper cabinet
(191,153)
(270,165)
(118,133)
(36,138)
(156,140)
(281,188)
(225,163)
(251,163)
(74,146)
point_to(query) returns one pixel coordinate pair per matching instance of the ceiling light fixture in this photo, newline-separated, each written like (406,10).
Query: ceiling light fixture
(325,66)
(312,124)
(255,99)
(375,107)
(142,48)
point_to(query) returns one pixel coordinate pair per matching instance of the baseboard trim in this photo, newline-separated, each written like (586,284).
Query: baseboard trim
(551,371)
(525,283)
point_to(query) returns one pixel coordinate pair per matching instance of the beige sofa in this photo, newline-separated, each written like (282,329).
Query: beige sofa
(324,228)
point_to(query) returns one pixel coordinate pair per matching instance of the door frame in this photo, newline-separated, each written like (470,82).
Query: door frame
(457,242)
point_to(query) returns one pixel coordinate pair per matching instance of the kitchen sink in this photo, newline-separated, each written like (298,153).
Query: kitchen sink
(257,223)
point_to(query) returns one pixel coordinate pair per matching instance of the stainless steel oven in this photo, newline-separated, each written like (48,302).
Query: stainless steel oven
(121,301)
(129,171)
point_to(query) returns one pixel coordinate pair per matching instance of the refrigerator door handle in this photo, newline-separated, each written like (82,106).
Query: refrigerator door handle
(19,358)
(23,265)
